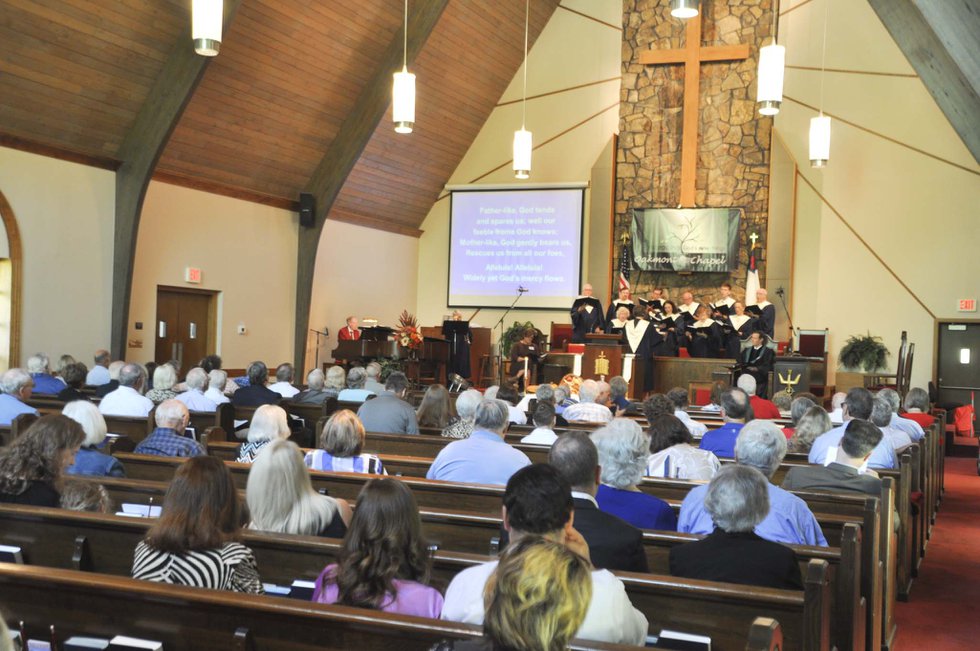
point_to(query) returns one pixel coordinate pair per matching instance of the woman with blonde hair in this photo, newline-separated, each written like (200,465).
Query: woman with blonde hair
(89,460)
(268,424)
(435,410)
(164,380)
(281,498)
(340,447)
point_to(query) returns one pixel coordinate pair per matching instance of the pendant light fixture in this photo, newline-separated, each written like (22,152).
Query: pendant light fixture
(772,61)
(684,8)
(820,125)
(403,90)
(206,18)
(522,137)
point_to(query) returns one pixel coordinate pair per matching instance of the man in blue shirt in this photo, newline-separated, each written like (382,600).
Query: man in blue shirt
(858,404)
(907,425)
(17,386)
(168,439)
(735,409)
(761,445)
(44,382)
(484,457)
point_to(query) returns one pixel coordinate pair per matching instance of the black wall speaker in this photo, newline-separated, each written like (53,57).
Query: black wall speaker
(307,210)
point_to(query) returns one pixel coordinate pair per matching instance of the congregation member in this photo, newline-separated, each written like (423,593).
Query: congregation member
(44,382)
(372,381)
(837,407)
(655,405)
(256,393)
(703,334)
(881,417)
(614,544)
(17,387)
(315,392)
(736,410)
(907,425)
(336,381)
(356,391)
(538,503)
(590,407)
(737,500)
(843,474)
(383,563)
(813,424)
(284,381)
(757,361)
(350,331)
(85,496)
(99,373)
(508,394)
(128,399)
(624,450)
(483,457)
(762,446)
(341,442)
(618,388)
(466,403)
(738,327)
(857,405)
(164,381)
(678,398)
(217,380)
(587,315)
(195,541)
(435,410)
(673,454)
(281,497)
(766,313)
(797,407)
(761,408)
(213,363)
(89,460)
(269,423)
(63,362)
(389,412)
(917,407)
(783,402)
(73,376)
(115,368)
(194,398)
(544,425)
(32,466)
(168,439)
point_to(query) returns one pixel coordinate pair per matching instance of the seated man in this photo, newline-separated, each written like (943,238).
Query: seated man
(761,408)
(168,439)
(881,417)
(349,332)
(735,409)
(128,398)
(284,381)
(105,389)
(484,457)
(256,393)
(44,383)
(842,476)
(389,412)
(761,445)
(588,409)
(194,398)
(538,502)
(17,386)
(613,543)
(837,407)
(757,361)
(508,393)
(373,378)
(858,404)
(355,391)
(907,425)
(544,425)
(99,374)
(217,380)
(315,392)
(678,397)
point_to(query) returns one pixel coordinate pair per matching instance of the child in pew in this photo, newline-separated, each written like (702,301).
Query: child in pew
(383,564)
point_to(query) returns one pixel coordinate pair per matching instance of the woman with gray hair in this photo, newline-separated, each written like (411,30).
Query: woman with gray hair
(809,427)
(89,460)
(340,447)
(737,500)
(355,391)
(623,452)
(335,381)
(164,380)
(466,404)
(268,424)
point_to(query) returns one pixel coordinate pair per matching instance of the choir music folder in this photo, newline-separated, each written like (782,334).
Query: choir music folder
(754,310)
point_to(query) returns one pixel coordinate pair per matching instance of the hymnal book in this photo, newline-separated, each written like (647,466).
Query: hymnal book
(683,641)
(84,643)
(302,590)
(754,310)
(587,300)
(276,590)
(11,554)
(125,643)
(721,309)
(38,645)
(141,510)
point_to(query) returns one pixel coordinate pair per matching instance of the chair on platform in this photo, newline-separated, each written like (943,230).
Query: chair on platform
(561,334)
(488,371)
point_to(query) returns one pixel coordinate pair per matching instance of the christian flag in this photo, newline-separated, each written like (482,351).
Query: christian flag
(624,268)
(752,279)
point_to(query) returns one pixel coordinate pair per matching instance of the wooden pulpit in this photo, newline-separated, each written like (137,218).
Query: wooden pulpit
(791,374)
(603,357)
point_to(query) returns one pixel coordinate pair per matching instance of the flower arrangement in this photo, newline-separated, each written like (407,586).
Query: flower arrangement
(408,334)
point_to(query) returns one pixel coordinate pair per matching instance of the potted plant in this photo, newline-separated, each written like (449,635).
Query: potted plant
(863,353)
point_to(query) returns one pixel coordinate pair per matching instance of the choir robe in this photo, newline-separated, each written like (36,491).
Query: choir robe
(766,318)
(671,329)
(761,359)
(587,321)
(737,329)
(704,338)
(611,312)
(688,312)
(641,338)
(653,306)
(615,326)
(723,306)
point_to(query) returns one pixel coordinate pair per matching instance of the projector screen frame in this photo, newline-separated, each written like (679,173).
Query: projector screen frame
(583,187)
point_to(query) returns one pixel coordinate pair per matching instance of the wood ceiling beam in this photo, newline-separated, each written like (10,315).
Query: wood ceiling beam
(346,148)
(138,155)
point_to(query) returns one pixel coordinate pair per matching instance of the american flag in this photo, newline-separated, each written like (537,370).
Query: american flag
(624,267)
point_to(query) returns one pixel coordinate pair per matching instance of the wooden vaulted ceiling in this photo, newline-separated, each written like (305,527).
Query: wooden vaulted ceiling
(74,74)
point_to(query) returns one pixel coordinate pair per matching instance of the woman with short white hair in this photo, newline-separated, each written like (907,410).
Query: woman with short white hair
(164,380)
(340,447)
(268,424)
(335,382)
(89,460)
(466,404)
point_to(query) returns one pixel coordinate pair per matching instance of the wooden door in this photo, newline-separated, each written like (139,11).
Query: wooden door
(185,326)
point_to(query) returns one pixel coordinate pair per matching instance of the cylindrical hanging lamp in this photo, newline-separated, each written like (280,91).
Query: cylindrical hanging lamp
(819,141)
(772,60)
(403,101)
(206,18)
(684,8)
(522,153)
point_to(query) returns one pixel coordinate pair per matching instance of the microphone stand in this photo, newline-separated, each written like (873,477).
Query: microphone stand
(500,340)
(792,330)
(317,352)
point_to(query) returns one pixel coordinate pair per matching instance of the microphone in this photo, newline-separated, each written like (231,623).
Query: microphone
(522,290)
(780,292)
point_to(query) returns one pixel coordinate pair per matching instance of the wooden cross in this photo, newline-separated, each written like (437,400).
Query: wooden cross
(692,55)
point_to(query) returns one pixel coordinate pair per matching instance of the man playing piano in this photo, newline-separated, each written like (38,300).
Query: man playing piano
(349,332)
(587,315)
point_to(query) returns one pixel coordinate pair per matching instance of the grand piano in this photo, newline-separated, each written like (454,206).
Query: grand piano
(374,343)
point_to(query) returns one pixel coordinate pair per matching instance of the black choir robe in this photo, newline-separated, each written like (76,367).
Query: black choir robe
(615,327)
(641,338)
(737,329)
(615,305)
(703,338)
(654,306)
(688,314)
(723,307)
(757,362)
(766,314)
(586,321)
(671,329)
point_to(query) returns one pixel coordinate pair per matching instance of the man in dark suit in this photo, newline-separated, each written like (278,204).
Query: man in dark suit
(613,543)
(842,475)
(757,361)
(256,393)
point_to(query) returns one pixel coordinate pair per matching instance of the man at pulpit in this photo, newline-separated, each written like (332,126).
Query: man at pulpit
(350,331)
(587,315)
(757,361)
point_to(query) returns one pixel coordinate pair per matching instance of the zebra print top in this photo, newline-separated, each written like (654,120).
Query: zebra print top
(231,567)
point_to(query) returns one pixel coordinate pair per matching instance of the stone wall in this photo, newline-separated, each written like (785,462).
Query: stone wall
(733,140)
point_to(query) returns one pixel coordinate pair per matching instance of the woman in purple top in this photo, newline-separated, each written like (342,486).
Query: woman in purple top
(383,564)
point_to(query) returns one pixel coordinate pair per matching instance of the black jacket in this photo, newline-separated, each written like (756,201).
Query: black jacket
(614,544)
(737,558)
(255,396)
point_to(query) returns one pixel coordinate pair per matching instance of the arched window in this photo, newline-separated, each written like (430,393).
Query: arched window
(11,270)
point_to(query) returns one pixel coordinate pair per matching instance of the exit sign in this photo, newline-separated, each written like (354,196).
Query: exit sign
(192,275)
(967,305)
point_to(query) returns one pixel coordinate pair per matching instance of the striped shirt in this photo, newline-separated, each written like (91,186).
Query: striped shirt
(231,567)
(323,460)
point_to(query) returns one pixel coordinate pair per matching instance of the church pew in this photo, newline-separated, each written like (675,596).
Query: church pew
(17,426)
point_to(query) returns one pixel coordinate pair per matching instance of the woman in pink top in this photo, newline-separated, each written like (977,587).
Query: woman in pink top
(383,564)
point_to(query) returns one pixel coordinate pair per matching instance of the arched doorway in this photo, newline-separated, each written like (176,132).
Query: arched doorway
(11,270)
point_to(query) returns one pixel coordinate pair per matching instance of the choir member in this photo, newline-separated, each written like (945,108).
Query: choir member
(723,306)
(624,300)
(525,350)
(737,328)
(704,335)
(689,307)
(671,327)
(641,338)
(655,304)
(587,315)
(765,312)
(615,326)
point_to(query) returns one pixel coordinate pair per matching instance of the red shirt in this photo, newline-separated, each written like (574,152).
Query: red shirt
(348,334)
(788,432)
(923,419)
(763,408)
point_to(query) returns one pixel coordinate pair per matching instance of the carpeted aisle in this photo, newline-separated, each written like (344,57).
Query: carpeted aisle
(942,611)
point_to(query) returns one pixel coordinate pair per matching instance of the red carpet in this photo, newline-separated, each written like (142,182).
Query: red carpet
(942,610)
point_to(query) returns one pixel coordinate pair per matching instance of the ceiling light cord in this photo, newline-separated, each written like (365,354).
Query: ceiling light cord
(527,15)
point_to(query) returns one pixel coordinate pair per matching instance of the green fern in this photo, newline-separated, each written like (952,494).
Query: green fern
(864,352)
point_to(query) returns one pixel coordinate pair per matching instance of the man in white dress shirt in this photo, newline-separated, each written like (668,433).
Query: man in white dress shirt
(99,374)
(217,380)
(194,398)
(284,381)
(128,399)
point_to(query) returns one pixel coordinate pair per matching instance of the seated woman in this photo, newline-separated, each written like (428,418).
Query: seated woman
(797,407)
(623,453)
(73,376)
(89,460)
(673,453)
(917,407)
(738,500)
(435,409)
(268,424)
(466,404)
(341,442)
(335,382)
(281,498)
(384,563)
(812,424)
(164,380)
(32,466)
(195,541)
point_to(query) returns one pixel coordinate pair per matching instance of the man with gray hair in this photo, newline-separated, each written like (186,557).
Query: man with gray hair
(256,393)
(217,380)
(858,405)
(99,374)
(736,410)
(315,393)
(483,457)
(194,398)
(588,409)
(168,439)
(284,381)
(128,398)
(105,389)
(761,408)
(907,425)
(373,380)
(859,441)
(17,386)
(881,417)
(44,382)
(389,413)
(761,445)
(355,391)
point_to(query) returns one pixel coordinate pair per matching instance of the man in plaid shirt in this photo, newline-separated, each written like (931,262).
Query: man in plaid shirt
(168,439)
(591,406)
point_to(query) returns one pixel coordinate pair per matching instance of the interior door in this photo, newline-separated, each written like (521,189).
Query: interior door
(184,326)
(959,362)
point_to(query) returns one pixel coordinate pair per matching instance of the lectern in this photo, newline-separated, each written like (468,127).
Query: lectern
(603,357)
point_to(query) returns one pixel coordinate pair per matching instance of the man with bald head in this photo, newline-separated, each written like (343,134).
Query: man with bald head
(168,439)
(688,307)
(765,311)
(128,398)
(587,315)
